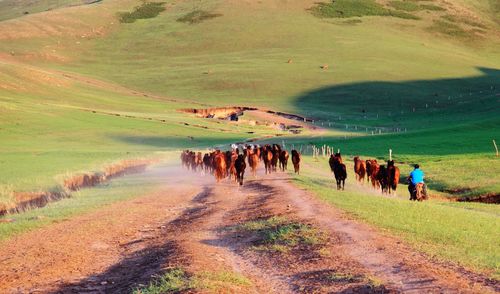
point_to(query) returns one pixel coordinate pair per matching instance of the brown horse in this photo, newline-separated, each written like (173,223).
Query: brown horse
(338,169)
(393,176)
(199,161)
(284,160)
(369,163)
(232,166)
(359,169)
(374,169)
(220,166)
(420,194)
(208,163)
(276,150)
(268,157)
(253,162)
(240,166)
(382,178)
(296,161)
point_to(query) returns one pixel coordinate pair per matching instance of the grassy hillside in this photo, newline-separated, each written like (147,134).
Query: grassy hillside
(430,81)
(51,130)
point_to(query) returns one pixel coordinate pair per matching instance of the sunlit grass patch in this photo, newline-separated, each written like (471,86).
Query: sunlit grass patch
(177,280)
(220,280)
(172,281)
(277,234)
(405,5)
(350,8)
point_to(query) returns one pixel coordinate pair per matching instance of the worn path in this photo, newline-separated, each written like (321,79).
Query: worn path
(186,223)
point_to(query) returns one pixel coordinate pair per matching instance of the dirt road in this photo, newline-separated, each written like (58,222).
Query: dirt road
(194,224)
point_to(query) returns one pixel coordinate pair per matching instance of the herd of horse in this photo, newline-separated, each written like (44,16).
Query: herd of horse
(233,163)
(384,177)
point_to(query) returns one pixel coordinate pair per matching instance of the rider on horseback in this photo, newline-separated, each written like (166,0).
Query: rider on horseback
(416,178)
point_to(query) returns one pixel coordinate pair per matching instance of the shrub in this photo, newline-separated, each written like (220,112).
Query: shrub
(146,10)
(197,16)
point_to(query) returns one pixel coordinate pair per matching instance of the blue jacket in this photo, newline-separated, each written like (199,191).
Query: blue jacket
(417,176)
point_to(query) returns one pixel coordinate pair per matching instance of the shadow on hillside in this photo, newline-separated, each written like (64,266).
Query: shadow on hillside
(420,117)
(393,102)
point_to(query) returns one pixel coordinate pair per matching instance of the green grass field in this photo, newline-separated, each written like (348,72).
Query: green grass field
(466,233)
(80,89)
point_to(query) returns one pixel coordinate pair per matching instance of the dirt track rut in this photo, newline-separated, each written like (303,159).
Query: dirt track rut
(185,224)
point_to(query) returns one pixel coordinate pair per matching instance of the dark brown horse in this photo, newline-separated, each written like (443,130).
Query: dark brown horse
(276,150)
(284,160)
(208,163)
(296,161)
(393,176)
(240,167)
(338,169)
(383,178)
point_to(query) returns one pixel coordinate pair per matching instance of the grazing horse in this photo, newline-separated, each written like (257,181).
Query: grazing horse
(393,176)
(240,166)
(284,160)
(296,161)
(382,178)
(359,169)
(338,169)
(220,166)
(374,169)
(268,157)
